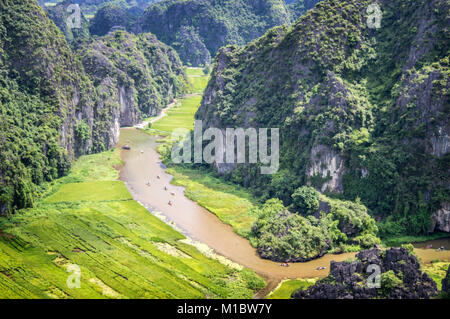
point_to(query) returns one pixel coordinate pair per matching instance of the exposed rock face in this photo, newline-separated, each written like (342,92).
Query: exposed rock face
(401,278)
(327,164)
(47,103)
(134,75)
(52,111)
(441,219)
(60,14)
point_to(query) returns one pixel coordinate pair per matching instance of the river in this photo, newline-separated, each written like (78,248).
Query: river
(142,165)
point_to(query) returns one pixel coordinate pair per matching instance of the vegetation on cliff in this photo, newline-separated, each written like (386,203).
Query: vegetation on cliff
(144,74)
(43,95)
(362,112)
(51,111)
(400,277)
(198,28)
(339,226)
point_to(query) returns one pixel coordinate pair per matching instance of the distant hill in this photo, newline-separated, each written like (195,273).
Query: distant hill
(198,28)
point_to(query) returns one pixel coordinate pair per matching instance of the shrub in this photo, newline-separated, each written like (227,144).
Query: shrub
(306,199)
(389,281)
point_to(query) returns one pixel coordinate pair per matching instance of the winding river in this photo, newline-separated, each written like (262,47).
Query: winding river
(142,165)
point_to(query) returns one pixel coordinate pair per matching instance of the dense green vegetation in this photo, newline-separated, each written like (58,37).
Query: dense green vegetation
(363,113)
(437,271)
(52,111)
(139,73)
(123,251)
(39,76)
(60,14)
(112,15)
(285,236)
(197,29)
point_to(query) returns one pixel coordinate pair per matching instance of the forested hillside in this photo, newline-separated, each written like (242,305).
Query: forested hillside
(60,15)
(198,28)
(195,28)
(363,112)
(53,111)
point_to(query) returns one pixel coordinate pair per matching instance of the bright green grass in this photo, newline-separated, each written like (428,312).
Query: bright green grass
(88,168)
(181,116)
(198,84)
(437,271)
(115,243)
(91,191)
(231,203)
(197,79)
(286,288)
(194,72)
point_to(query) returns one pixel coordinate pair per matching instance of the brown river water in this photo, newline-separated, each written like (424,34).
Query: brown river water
(142,165)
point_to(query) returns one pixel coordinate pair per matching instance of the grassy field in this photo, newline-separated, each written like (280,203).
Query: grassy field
(91,191)
(231,203)
(285,289)
(197,79)
(180,116)
(88,219)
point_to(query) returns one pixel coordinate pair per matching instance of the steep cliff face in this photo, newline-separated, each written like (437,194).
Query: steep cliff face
(441,218)
(138,75)
(64,15)
(362,111)
(45,99)
(191,26)
(52,111)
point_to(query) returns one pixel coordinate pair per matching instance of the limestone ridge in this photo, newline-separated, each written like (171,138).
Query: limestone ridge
(362,112)
(137,74)
(53,111)
(198,28)
(400,278)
